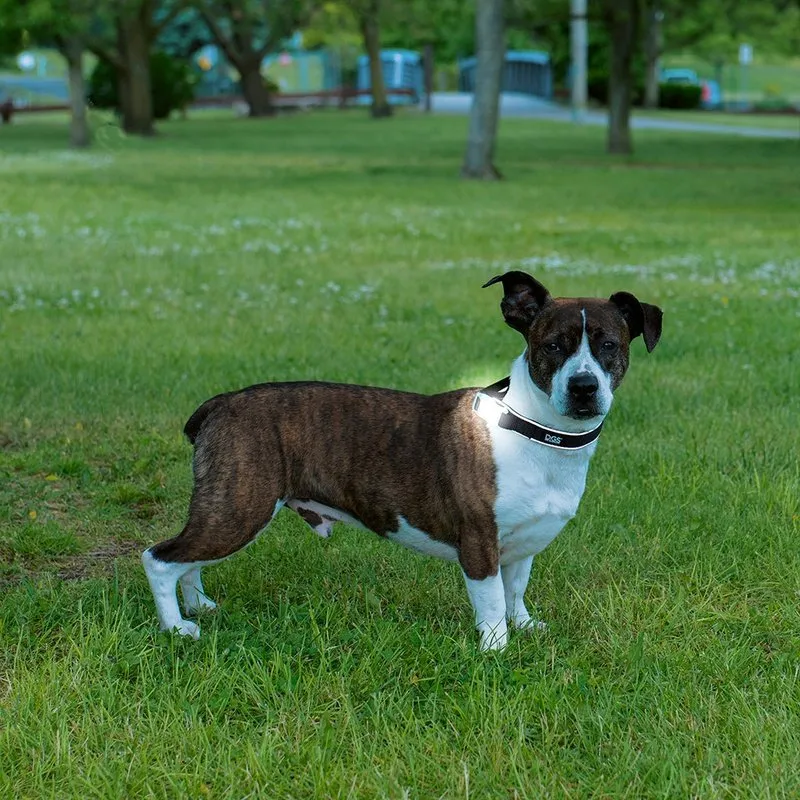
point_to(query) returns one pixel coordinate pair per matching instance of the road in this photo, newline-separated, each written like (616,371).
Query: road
(524,106)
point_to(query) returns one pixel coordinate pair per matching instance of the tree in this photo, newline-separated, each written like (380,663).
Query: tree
(125,39)
(446,25)
(370,31)
(64,24)
(72,47)
(246,30)
(11,29)
(367,16)
(334,26)
(490,39)
(622,24)
(185,35)
(653,47)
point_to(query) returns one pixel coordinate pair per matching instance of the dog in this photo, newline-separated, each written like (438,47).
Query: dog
(483,477)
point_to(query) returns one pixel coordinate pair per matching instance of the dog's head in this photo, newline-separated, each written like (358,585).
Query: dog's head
(577,348)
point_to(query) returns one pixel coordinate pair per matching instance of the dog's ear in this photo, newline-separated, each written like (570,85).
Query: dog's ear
(523,298)
(642,318)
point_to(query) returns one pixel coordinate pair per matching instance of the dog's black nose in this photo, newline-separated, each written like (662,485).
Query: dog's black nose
(583,386)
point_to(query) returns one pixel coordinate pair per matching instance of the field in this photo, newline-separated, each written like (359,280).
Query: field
(141,278)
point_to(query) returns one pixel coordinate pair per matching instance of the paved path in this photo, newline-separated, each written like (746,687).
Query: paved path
(517,105)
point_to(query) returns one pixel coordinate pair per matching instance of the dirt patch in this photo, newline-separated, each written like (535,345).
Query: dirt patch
(97,563)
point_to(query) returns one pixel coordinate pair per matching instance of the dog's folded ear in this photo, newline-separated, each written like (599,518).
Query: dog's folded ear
(642,318)
(523,298)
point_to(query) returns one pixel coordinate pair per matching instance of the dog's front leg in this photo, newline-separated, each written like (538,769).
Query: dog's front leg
(489,602)
(515,580)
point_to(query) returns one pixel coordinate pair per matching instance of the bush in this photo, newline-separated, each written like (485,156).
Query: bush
(774,104)
(679,95)
(172,85)
(103,86)
(597,87)
(671,95)
(272,85)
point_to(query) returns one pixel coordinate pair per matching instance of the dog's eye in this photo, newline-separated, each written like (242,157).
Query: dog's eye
(553,347)
(609,346)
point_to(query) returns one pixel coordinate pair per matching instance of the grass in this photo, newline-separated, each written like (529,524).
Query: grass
(143,277)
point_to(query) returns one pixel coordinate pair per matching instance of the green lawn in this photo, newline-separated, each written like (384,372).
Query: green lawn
(141,278)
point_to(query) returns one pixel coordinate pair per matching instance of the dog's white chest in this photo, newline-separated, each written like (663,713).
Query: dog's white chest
(538,492)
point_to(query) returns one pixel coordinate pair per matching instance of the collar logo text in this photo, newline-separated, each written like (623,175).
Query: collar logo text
(550,439)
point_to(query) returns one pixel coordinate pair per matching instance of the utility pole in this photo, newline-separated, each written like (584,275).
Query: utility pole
(579,42)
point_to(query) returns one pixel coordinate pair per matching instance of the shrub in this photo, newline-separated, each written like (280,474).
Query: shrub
(679,95)
(103,86)
(671,95)
(172,85)
(272,85)
(774,104)
(597,87)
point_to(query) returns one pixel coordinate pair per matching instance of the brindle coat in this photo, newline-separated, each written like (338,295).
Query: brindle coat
(379,454)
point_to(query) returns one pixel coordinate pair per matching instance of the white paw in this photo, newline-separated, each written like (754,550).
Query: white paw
(200,603)
(494,638)
(186,628)
(528,624)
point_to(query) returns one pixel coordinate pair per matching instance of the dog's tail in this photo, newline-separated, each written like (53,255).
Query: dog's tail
(195,423)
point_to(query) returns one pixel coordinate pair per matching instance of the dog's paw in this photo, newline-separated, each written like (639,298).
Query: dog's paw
(187,628)
(528,624)
(494,638)
(199,604)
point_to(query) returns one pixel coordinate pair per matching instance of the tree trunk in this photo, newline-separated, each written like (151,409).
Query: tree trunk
(122,91)
(372,44)
(136,100)
(427,65)
(490,41)
(79,133)
(623,24)
(652,55)
(254,89)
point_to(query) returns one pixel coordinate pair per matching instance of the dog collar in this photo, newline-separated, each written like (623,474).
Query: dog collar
(490,404)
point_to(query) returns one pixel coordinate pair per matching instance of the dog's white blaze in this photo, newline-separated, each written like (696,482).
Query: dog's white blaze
(538,488)
(489,603)
(581,361)
(415,539)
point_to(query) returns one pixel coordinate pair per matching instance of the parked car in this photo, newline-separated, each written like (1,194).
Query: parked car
(679,75)
(712,92)
(712,95)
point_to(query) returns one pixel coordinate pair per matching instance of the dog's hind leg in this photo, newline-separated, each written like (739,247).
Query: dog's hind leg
(163,578)
(221,521)
(194,597)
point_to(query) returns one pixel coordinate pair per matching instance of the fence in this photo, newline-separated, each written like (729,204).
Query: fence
(763,86)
